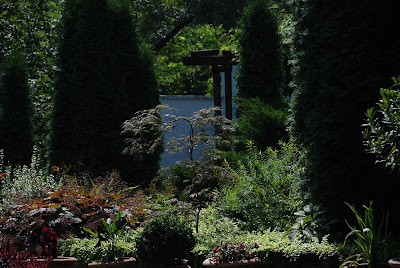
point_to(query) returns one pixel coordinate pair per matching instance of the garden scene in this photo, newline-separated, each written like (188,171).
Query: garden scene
(302,172)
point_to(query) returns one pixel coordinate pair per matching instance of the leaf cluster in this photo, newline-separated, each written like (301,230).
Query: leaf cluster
(371,238)
(312,223)
(382,128)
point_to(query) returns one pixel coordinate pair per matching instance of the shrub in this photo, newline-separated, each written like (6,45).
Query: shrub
(98,88)
(335,83)
(165,240)
(22,183)
(261,69)
(266,192)
(261,123)
(16,136)
(275,241)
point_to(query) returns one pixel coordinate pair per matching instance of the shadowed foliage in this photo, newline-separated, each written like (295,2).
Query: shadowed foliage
(105,76)
(345,53)
(16,136)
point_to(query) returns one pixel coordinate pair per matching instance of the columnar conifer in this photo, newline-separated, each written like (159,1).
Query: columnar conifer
(260,79)
(16,130)
(104,77)
(346,51)
(261,69)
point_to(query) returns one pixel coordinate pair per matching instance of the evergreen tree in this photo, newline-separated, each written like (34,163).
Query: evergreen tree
(260,79)
(16,135)
(261,69)
(105,77)
(346,51)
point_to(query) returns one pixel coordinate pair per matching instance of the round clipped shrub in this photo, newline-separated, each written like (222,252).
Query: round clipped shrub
(165,240)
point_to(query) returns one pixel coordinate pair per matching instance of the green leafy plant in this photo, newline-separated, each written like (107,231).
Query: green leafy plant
(311,223)
(22,183)
(261,123)
(381,131)
(265,193)
(85,249)
(371,238)
(165,240)
(114,230)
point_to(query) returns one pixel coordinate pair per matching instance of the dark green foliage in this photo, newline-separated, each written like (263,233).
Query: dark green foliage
(196,180)
(261,69)
(16,136)
(261,123)
(104,78)
(345,52)
(31,25)
(381,131)
(165,240)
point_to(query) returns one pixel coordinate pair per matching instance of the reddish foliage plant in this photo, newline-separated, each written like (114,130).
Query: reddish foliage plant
(11,257)
(49,243)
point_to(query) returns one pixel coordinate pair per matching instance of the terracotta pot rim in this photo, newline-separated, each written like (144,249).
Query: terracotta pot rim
(209,262)
(119,260)
(58,259)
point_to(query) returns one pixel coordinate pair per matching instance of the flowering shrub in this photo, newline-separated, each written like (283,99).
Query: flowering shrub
(49,243)
(233,252)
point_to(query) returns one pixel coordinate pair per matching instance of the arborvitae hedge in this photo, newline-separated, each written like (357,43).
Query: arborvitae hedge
(16,130)
(346,51)
(261,69)
(260,77)
(104,77)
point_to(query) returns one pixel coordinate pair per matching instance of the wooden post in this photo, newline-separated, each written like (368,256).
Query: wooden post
(217,86)
(228,91)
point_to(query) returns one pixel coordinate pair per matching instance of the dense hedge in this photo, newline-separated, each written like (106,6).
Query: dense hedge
(261,69)
(260,76)
(16,135)
(104,77)
(345,52)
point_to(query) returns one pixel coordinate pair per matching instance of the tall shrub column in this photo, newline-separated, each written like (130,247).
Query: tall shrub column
(261,69)
(16,130)
(344,55)
(260,78)
(105,77)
